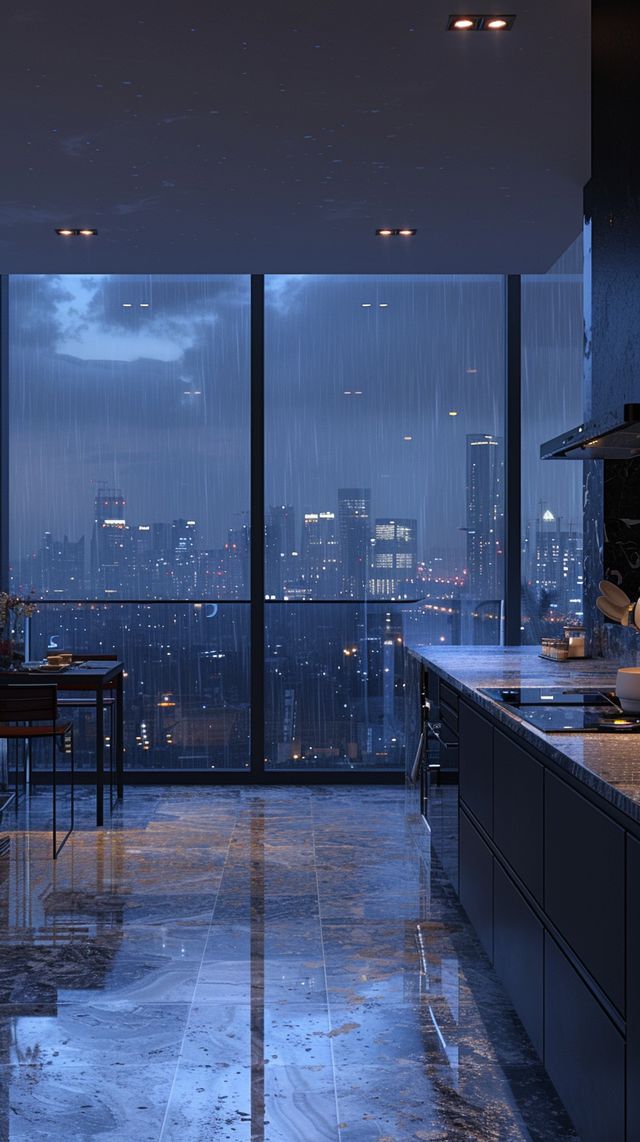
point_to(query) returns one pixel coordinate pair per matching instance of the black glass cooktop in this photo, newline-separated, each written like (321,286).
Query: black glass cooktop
(550,696)
(558,711)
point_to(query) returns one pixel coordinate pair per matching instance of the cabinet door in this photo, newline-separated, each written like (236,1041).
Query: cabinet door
(476,882)
(584,884)
(584,1053)
(633,985)
(518,953)
(476,764)
(517,810)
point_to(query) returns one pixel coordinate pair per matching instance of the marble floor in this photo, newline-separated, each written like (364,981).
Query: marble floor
(251,964)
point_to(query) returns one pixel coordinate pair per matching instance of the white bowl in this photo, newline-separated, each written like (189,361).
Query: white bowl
(628,688)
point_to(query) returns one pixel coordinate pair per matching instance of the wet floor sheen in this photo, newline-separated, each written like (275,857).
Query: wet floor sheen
(273,964)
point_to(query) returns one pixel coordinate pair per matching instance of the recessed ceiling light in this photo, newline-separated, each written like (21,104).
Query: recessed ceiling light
(462,23)
(493,22)
(385,233)
(75,232)
(407,233)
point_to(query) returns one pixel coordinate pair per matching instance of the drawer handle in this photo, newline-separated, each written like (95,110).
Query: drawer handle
(417,762)
(434,729)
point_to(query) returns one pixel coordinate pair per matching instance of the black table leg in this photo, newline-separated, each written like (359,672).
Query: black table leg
(119,736)
(99,755)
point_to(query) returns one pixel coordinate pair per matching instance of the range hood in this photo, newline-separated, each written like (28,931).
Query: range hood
(610,438)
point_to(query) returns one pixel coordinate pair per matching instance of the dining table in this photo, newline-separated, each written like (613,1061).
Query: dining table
(102,677)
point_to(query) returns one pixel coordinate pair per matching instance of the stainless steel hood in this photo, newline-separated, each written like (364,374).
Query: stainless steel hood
(611,438)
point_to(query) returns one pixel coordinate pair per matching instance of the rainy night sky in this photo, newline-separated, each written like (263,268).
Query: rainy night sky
(142,383)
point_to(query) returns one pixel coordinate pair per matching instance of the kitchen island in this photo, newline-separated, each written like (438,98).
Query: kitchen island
(547,832)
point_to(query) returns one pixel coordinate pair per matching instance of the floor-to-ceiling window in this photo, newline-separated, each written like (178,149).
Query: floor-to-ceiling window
(383,494)
(384,500)
(552,389)
(129,497)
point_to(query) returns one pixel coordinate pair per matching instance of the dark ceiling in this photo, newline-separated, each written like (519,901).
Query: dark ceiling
(275,137)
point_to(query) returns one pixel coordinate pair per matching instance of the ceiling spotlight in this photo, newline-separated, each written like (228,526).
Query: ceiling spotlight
(488,23)
(384,233)
(462,23)
(68,232)
(407,233)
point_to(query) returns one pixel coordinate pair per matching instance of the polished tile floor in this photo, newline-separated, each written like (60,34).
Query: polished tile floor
(251,964)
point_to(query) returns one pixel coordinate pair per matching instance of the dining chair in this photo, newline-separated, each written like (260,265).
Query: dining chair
(29,713)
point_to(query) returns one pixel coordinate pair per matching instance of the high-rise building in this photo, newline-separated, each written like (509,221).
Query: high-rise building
(60,566)
(184,554)
(485,516)
(110,543)
(320,553)
(354,512)
(279,548)
(553,565)
(393,569)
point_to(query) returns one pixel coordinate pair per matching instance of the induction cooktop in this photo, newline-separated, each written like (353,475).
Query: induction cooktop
(566,711)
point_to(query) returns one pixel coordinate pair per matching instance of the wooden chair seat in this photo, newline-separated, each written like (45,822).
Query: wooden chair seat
(41,731)
(28,712)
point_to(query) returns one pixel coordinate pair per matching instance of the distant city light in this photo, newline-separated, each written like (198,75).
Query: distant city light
(453,412)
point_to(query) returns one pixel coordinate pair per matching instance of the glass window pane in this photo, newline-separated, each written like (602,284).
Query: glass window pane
(129,427)
(186,685)
(383,484)
(552,367)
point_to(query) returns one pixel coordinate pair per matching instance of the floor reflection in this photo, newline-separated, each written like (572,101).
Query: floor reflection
(252,965)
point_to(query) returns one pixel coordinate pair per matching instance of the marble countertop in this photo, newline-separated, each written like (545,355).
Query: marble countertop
(608,763)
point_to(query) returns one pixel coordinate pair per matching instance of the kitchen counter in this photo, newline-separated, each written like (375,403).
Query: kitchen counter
(608,763)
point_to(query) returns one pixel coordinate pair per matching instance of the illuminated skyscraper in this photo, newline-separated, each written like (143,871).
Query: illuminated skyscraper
(485,516)
(354,512)
(320,552)
(279,547)
(394,558)
(110,543)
